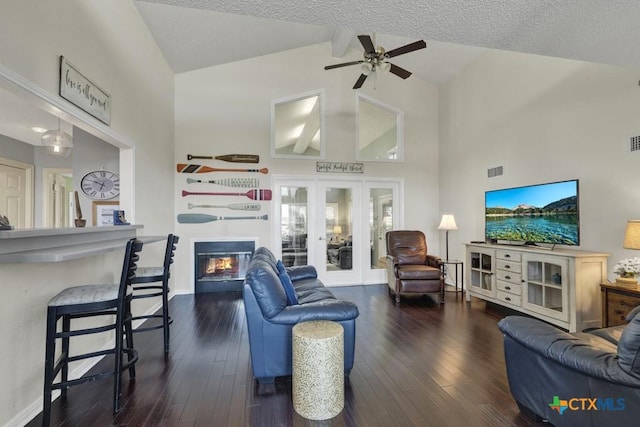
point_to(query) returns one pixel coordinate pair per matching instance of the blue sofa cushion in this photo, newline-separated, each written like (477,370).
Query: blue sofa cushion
(267,256)
(629,347)
(266,287)
(300,272)
(281,268)
(292,298)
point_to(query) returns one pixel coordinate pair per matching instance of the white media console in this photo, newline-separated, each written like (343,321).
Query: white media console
(558,286)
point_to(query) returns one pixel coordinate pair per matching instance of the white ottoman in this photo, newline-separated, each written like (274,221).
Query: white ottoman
(318,369)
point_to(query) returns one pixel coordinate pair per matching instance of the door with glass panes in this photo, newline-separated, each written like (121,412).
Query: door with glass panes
(338,226)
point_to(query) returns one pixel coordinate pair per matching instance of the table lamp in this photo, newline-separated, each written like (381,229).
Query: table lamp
(448,222)
(632,235)
(337,231)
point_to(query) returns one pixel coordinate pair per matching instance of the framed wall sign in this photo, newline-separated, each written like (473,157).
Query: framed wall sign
(83,93)
(102,211)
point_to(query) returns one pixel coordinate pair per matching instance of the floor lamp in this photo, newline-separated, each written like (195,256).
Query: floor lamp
(448,222)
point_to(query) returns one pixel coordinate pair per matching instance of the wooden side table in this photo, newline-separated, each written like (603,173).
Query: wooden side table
(617,302)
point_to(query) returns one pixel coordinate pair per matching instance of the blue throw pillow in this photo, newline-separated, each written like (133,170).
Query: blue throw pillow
(281,267)
(292,298)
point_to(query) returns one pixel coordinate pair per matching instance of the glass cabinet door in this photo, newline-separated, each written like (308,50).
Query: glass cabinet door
(546,282)
(481,270)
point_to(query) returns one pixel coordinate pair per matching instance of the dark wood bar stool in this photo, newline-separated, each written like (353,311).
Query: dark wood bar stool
(143,288)
(91,301)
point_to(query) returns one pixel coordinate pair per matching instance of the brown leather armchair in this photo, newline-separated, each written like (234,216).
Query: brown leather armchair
(410,270)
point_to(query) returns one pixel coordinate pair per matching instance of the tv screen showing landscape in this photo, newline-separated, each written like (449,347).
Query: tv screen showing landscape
(543,213)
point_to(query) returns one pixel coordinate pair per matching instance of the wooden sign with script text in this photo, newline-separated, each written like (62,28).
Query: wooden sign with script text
(339,167)
(83,93)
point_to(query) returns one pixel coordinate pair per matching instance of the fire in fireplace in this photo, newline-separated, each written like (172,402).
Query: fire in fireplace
(220,266)
(223,266)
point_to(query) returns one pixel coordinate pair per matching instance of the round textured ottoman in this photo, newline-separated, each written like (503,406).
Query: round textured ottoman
(318,369)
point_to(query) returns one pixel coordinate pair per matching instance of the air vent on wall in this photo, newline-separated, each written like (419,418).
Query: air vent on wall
(497,171)
(634,143)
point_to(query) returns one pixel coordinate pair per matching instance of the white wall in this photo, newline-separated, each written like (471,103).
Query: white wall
(543,119)
(226,109)
(110,44)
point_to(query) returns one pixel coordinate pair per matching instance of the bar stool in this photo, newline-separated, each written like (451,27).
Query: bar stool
(143,289)
(91,301)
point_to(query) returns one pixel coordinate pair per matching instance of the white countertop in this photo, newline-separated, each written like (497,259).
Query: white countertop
(65,244)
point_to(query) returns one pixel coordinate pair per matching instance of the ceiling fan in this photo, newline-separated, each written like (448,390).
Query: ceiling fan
(375,59)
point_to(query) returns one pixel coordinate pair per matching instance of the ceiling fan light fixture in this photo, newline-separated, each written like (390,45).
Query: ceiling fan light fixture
(376,57)
(57,142)
(366,68)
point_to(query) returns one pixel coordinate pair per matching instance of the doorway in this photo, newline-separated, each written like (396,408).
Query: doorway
(338,226)
(58,205)
(16,192)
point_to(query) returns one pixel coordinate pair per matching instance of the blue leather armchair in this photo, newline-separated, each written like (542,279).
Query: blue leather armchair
(581,379)
(270,319)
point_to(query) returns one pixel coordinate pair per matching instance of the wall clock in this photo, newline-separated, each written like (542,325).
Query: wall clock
(100,185)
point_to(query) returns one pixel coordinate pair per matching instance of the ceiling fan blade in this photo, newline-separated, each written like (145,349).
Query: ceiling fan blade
(360,81)
(344,64)
(420,44)
(399,71)
(367,43)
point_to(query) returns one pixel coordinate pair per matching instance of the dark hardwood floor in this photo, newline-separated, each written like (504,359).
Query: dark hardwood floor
(416,364)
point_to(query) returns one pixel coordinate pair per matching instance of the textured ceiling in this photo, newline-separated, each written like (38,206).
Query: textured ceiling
(200,33)
(604,31)
(195,38)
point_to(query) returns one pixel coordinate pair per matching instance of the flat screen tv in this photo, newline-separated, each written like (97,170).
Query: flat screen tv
(542,213)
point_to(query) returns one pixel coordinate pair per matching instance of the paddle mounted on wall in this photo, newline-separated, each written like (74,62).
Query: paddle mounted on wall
(376,58)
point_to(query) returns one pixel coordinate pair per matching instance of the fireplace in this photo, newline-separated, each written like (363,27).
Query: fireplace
(220,266)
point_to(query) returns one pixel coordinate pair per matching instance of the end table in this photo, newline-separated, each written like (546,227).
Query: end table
(455,263)
(617,302)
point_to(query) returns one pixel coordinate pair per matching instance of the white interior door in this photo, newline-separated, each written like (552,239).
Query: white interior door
(16,192)
(57,207)
(382,214)
(339,244)
(338,226)
(293,217)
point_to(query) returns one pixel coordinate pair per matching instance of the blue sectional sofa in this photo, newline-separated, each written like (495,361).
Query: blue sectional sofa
(270,318)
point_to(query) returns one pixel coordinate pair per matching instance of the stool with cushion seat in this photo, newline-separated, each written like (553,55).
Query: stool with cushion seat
(90,301)
(410,269)
(142,288)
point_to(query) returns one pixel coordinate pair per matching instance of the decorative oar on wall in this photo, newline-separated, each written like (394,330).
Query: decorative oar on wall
(233,158)
(229,182)
(256,194)
(193,218)
(186,168)
(234,206)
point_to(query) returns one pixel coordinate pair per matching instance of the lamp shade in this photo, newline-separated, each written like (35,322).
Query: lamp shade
(57,143)
(448,222)
(632,235)
(337,229)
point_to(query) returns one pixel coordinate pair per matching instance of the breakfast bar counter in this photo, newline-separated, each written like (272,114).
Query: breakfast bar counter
(64,244)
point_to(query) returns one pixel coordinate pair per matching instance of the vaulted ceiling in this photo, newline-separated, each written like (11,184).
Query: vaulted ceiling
(194,34)
(199,33)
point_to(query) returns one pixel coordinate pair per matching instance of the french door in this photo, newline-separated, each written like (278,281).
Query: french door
(382,214)
(336,225)
(339,244)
